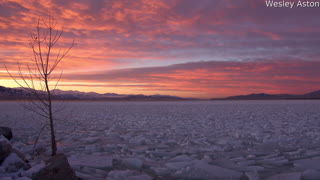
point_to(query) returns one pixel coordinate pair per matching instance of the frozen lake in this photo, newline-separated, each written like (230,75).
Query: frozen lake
(256,121)
(159,130)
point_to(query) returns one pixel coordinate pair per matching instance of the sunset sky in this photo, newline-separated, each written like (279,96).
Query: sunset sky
(187,48)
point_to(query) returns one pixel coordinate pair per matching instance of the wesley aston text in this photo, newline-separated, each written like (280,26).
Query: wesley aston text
(290,4)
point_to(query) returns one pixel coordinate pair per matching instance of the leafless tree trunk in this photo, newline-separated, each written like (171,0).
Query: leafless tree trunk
(40,74)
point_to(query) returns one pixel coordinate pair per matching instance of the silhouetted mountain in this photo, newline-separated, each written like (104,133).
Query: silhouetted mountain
(152,97)
(21,93)
(77,95)
(264,96)
(13,93)
(313,95)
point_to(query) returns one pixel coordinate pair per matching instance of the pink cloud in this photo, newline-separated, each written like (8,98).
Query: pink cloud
(120,35)
(217,79)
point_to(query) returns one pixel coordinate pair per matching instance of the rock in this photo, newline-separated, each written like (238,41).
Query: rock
(202,170)
(132,163)
(287,176)
(6,132)
(5,148)
(93,161)
(311,163)
(57,168)
(311,175)
(13,163)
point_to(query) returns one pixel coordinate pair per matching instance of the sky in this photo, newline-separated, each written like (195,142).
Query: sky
(187,48)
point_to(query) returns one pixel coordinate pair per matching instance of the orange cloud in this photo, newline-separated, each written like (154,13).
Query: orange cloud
(208,79)
(114,37)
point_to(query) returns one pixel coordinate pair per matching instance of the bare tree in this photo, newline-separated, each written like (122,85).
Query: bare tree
(40,74)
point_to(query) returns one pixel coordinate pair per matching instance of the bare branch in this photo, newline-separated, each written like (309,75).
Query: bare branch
(40,74)
(37,138)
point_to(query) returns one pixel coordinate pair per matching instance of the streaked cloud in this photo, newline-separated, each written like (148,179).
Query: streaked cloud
(211,78)
(151,42)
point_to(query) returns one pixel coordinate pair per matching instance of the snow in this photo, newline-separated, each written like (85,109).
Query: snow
(13,163)
(34,170)
(12,167)
(253,138)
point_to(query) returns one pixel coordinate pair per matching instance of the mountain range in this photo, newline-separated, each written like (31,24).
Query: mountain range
(264,96)
(21,93)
